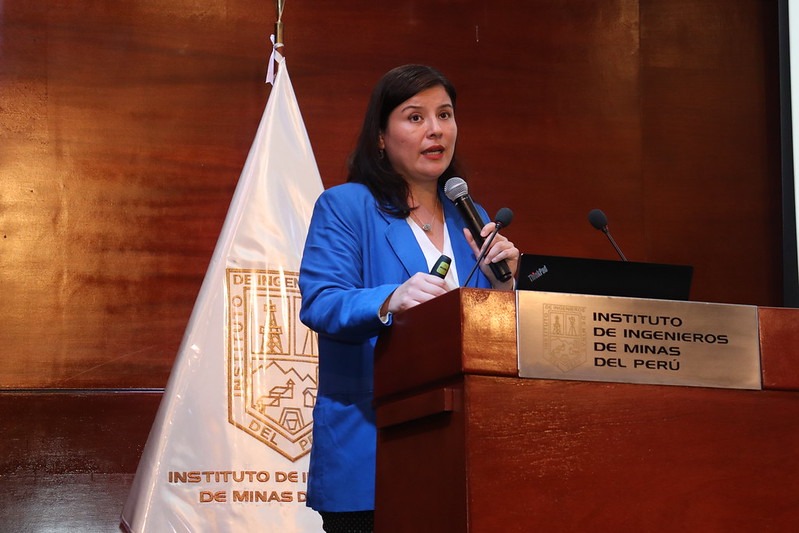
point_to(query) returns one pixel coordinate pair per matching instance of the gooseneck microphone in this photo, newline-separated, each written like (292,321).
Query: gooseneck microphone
(458,192)
(598,219)
(502,220)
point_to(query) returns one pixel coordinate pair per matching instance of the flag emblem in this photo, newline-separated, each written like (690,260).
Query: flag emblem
(271,359)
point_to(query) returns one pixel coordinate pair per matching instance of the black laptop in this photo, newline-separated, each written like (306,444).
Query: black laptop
(551,273)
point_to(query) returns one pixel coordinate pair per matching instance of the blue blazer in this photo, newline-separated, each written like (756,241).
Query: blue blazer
(354,257)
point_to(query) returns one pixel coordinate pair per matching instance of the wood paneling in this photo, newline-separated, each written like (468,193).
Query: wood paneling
(710,162)
(125,126)
(125,129)
(67,459)
(578,456)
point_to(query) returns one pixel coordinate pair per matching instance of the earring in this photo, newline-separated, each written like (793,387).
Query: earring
(381,153)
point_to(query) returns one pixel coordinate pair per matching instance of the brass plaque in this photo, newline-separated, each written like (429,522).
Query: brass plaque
(631,340)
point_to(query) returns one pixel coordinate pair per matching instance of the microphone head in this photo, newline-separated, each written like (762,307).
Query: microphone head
(504,217)
(456,188)
(598,219)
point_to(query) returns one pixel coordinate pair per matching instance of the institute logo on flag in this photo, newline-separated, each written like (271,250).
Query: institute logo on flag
(272,360)
(228,451)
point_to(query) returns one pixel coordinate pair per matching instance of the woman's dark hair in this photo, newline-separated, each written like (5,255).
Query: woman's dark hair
(366,165)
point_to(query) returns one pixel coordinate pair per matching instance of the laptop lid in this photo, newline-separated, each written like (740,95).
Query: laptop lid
(551,273)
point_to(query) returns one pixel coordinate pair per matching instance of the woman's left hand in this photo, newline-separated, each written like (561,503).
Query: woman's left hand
(501,248)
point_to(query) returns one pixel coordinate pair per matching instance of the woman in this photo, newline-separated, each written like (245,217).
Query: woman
(370,246)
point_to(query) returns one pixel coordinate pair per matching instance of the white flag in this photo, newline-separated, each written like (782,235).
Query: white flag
(229,447)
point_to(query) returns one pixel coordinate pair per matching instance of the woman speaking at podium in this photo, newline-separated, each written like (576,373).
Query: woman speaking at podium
(370,246)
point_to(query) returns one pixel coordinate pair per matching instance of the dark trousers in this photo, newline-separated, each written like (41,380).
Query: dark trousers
(349,522)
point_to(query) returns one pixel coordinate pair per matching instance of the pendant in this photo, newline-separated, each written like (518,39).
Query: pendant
(427,227)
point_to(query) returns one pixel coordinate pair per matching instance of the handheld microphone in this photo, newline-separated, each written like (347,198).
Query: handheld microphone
(458,192)
(441,267)
(502,220)
(598,219)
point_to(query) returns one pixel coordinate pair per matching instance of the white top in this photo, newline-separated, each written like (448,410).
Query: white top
(431,253)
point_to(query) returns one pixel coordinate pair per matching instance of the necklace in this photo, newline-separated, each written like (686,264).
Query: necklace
(426,227)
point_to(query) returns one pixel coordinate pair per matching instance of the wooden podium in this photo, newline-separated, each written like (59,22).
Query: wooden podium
(464,444)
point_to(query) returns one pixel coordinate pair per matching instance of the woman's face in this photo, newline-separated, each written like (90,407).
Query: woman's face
(419,139)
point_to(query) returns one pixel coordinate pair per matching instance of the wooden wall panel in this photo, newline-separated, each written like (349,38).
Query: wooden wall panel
(125,129)
(125,126)
(67,460)
(548,100)
(710,173)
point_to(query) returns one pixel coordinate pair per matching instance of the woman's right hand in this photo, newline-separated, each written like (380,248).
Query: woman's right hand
(420,288)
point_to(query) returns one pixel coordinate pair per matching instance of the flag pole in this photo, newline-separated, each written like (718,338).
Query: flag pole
(277,42)
(279,4)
